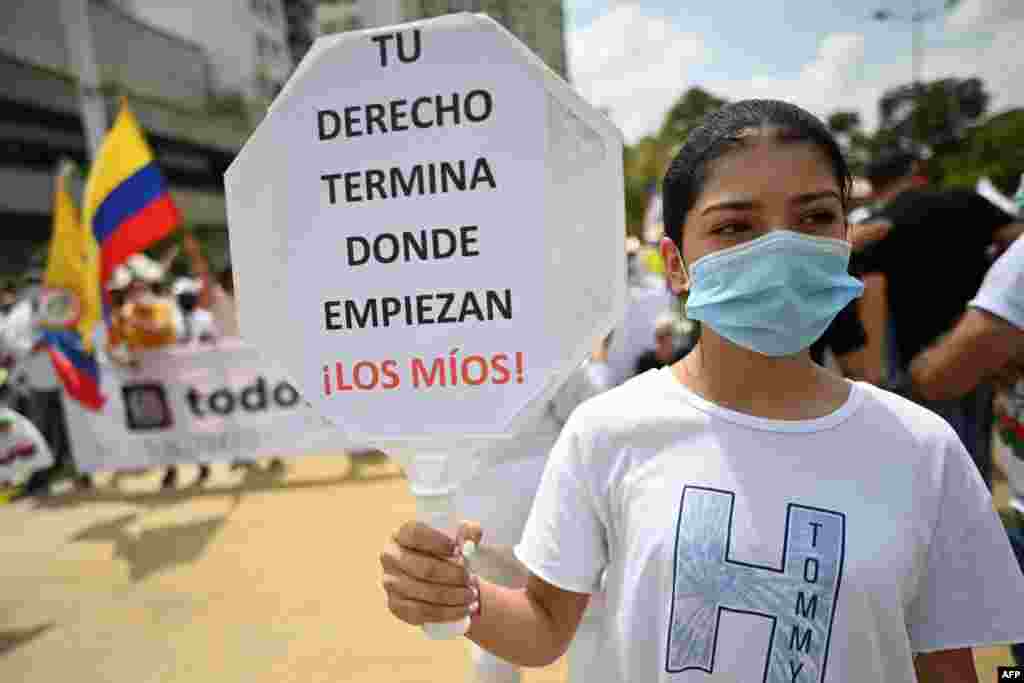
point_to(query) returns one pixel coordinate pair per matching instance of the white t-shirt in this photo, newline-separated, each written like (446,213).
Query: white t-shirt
(23,449)
(197,327)
(18,336)
(1002,294)
(755,549)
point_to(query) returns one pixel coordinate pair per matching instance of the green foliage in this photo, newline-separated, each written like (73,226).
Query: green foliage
(994,149)
(647,160)
(844,122)
(931,114)
(686,113)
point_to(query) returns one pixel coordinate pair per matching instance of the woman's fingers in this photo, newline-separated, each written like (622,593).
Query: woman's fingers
(437,595)
(425,539)
(417,613)
(428,568)
(424,579)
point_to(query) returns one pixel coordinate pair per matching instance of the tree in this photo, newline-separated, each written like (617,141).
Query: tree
(646,161)
(994,149)
(844,122)
(846,126)
(644,164)
(686,113)
(931,115)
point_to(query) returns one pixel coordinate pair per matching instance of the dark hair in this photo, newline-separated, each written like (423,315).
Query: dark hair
(226,279)
(720,132)
(890,166)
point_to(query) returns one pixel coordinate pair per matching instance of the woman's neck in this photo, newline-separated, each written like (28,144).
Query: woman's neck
(784,388)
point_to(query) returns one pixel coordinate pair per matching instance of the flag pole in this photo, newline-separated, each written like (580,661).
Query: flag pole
(74,14)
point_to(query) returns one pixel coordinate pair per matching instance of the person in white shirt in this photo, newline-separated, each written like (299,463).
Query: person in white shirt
(32,369)
(23,450)
(988,344)
(645,303)
(197,324)
(756,517)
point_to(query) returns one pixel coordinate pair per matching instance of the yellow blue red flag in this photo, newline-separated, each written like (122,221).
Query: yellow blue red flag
(72,295)
(127,204)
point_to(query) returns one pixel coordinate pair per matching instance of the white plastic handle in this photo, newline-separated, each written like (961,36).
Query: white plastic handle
(439,512)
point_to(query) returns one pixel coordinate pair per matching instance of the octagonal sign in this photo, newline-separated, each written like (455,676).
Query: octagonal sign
(427,231)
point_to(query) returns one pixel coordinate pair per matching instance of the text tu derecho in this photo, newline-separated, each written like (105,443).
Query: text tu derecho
(426,178)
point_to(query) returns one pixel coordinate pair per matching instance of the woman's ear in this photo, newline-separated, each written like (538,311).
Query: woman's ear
(675,270)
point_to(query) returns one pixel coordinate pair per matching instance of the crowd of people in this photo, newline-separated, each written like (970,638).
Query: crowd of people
(713,388)
(784,343)
(150,309)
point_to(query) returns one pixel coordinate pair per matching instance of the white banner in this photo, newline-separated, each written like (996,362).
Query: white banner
(186,405)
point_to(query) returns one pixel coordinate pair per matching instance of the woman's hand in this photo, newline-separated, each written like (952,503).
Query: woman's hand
(425,577)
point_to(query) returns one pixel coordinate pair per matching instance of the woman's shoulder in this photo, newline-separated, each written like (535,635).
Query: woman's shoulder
(893,413)
(645,399)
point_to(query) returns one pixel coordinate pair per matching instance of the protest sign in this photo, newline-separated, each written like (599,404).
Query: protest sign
(427,234)
(184,405)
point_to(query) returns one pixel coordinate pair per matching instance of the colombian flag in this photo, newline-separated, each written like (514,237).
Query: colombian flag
(127,204)
(73,267)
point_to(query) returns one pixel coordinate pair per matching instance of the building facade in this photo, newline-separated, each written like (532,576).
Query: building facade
(246,41)
(196,117)
(538,23)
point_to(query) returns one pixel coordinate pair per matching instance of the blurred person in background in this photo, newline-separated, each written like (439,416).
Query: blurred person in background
(667,350)
(501,495)
(34,372)
(647,299)
(217,295)
(146,319)
(988,344)
(933,258)
(198,326)
(8,296)
(23,449)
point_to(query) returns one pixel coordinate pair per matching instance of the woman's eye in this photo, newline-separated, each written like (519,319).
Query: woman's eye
(731,229)
(818,218)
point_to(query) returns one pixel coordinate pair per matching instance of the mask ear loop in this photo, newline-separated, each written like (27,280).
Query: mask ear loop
(678,302)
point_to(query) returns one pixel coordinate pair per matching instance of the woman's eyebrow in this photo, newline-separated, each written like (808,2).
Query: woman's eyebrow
(744,204)
(815,196)
(731,205)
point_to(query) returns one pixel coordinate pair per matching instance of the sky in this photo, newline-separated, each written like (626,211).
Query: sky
(635,57)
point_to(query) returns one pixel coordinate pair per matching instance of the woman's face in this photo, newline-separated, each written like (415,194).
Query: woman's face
(762,185)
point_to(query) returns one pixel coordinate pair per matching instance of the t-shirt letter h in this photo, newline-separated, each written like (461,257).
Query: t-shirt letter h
(799,598)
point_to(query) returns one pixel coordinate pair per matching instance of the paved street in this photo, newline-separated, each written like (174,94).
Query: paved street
(254,578)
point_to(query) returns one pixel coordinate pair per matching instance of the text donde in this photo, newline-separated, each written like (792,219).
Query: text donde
(256,397)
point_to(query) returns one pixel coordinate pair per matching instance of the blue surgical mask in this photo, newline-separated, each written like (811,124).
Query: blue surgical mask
(776,294)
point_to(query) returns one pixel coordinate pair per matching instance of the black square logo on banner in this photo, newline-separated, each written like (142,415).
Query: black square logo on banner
(146,407)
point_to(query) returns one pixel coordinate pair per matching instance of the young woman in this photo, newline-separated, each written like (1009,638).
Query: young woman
(756,517)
